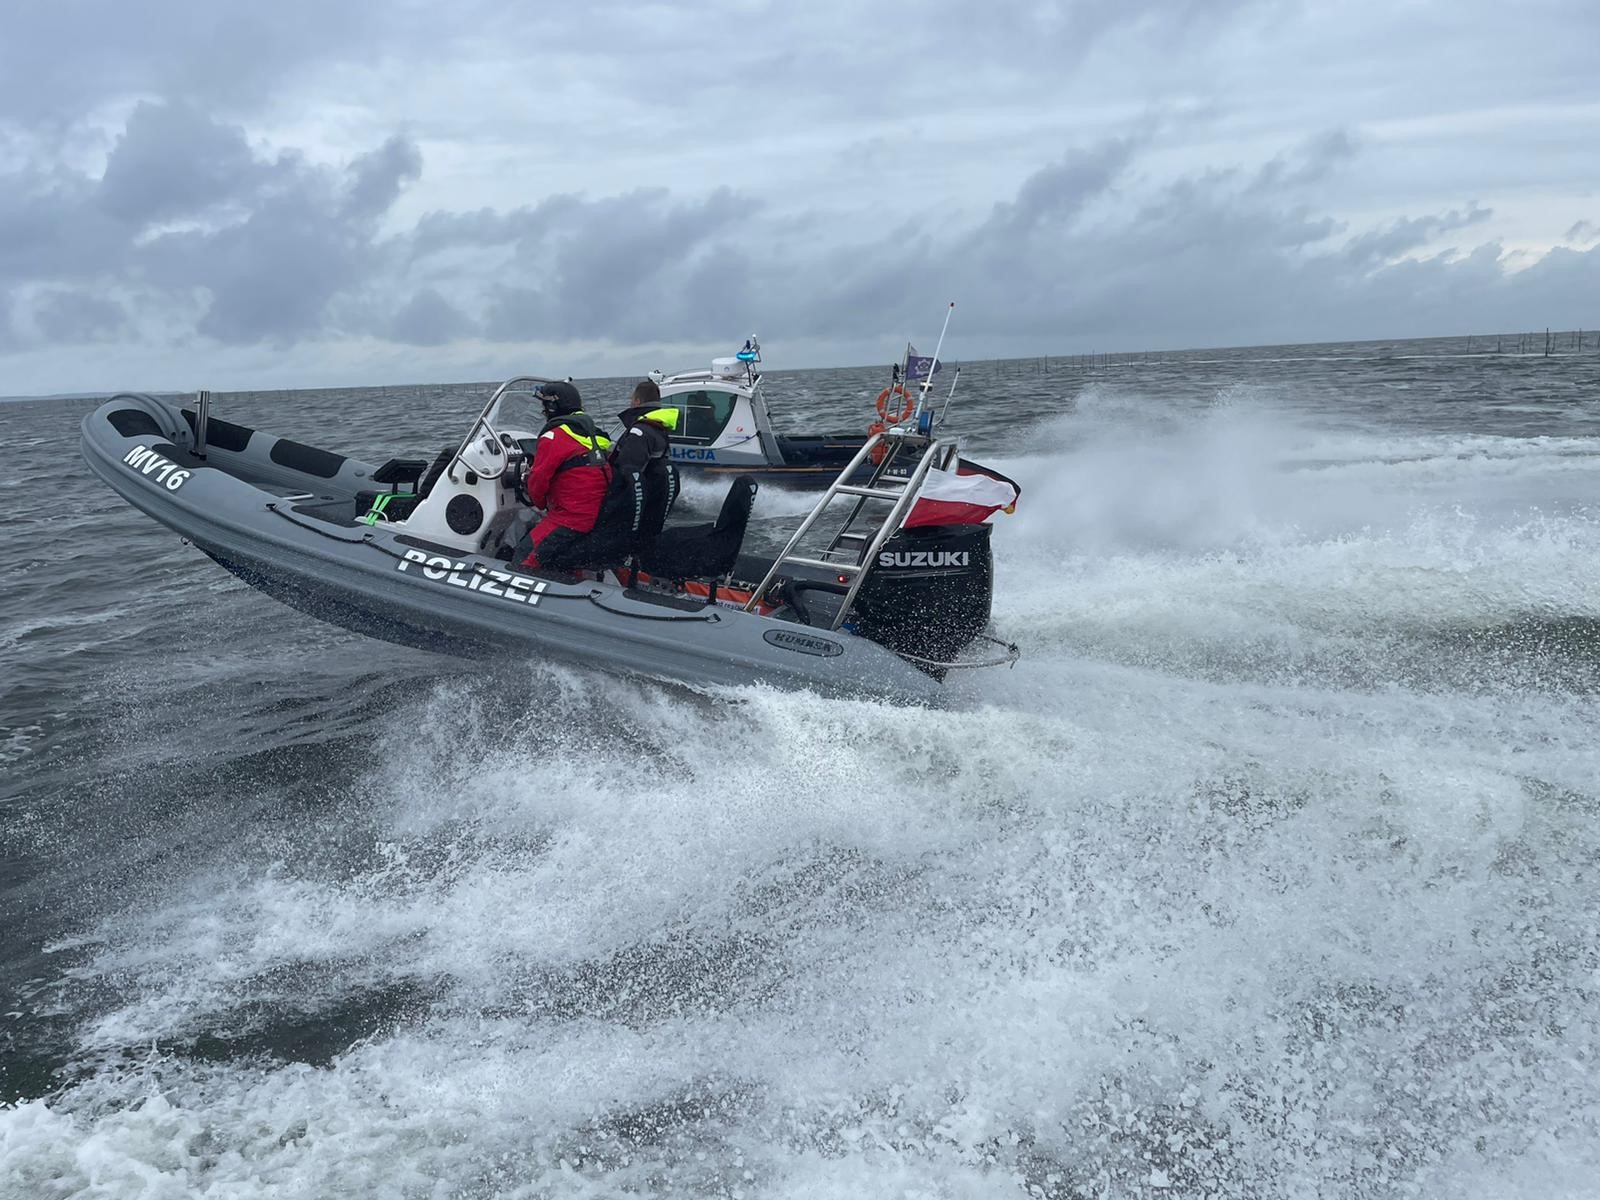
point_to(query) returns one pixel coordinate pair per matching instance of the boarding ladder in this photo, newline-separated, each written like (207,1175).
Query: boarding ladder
(853,551)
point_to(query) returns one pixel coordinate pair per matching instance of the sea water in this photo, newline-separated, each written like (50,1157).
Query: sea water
(1271,870)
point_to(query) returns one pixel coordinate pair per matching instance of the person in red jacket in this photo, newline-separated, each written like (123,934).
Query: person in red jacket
(568,479)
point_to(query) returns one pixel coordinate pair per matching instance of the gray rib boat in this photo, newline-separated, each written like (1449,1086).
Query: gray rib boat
(418,552)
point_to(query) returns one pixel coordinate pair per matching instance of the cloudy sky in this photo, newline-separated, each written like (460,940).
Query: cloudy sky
(326,192)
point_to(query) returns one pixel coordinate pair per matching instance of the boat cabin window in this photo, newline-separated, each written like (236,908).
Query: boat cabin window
(701,415)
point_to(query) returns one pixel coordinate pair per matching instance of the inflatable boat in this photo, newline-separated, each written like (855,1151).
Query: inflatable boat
(418,552)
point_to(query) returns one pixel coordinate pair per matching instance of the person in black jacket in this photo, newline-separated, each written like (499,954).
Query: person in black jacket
(642,456)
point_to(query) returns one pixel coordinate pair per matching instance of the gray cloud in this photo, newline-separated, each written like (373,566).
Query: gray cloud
(1056,194)
(518,314)
(428,319)
(76,317)
(1205,257)
(1408,233)
(1313,161)
(9,336)
(300,237)
(1564,285)
(52,228)
(1062,32)
(172,160)
(614,267)
(1083,248)
(1185,256)
(1077,175)
(64,58)
(629,251)
(270,277)
(1066,258)
(437,232)
(267,243)
(377,178)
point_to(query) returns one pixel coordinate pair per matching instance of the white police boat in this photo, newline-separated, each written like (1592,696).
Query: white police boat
(725,428)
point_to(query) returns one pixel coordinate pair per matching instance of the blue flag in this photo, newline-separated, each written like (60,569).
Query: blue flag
(920,366)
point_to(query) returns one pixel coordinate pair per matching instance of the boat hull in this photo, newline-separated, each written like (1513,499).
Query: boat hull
(259,506)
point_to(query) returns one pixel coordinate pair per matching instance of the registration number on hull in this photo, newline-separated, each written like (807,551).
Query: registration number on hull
(147,462)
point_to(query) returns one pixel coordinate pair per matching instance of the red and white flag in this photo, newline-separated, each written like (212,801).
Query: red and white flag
(969,495)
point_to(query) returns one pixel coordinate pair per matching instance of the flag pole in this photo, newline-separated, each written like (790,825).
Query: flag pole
(927,383)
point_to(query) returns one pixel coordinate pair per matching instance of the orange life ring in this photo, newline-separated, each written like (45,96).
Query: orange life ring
(883,404)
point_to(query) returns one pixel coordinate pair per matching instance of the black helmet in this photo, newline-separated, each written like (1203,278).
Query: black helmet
(559,399)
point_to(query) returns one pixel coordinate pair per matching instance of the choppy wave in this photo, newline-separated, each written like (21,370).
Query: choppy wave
(1267,872)
(1230,940)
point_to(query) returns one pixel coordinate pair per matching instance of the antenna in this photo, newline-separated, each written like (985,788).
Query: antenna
(750,356)
(927,384)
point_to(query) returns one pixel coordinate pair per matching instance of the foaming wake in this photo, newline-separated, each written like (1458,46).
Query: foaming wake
(705,495)
(1235,543)
(1239,474)
(1163,936)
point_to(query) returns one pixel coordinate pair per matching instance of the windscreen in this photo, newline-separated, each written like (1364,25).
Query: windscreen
(519,414)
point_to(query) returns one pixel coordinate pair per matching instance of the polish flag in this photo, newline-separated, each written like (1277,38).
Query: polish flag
(969,495)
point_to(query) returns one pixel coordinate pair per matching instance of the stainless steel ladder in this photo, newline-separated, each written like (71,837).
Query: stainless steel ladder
(897,493)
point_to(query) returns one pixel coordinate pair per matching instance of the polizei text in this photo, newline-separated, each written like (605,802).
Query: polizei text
(519,589)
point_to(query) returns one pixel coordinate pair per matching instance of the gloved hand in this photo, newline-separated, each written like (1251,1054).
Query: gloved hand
(516,479)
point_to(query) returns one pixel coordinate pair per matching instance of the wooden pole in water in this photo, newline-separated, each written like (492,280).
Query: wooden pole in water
(1547,341)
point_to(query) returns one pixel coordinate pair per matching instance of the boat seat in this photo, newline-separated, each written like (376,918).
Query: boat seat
(401,470)
(706,552)
(436,469)
(388,500)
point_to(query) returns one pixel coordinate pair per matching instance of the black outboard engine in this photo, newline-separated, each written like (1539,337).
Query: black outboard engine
(929,593)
